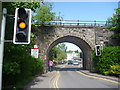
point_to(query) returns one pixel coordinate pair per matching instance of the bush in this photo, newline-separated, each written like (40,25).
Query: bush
(114,70)
(110,56)
(19,66)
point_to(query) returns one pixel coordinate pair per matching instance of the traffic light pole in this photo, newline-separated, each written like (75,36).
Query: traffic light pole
(2,43)
(0,16)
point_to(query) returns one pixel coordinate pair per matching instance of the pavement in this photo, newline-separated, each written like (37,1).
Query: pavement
(99,75)
(42,81)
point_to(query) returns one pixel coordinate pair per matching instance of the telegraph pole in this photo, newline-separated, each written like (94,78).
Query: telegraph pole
(2,43)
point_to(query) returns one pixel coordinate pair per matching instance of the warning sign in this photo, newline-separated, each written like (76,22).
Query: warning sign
(34,52)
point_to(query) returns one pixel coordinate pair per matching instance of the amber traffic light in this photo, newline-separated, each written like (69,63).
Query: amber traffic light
(22,26)
(98,50)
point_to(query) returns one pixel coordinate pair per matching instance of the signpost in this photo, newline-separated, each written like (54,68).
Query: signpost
(35,51)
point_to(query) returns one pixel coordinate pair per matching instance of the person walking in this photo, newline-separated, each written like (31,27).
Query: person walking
(50,65)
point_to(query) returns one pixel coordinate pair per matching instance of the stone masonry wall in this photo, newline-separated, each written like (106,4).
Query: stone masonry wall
(88,37)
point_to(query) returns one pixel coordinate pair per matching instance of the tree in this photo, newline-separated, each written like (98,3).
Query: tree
(58,53)
(70,51)
(76,51)
(114,23)
(62,47)
(44,14)
(12,5)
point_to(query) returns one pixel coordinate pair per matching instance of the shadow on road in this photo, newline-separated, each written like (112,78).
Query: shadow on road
(67,69)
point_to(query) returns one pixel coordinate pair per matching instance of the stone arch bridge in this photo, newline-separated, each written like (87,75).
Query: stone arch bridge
(84,36)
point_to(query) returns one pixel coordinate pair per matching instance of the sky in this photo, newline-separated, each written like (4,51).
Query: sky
(84,11)
(72,47)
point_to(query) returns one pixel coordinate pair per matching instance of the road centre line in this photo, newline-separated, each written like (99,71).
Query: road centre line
(50,81)
(56,82)
(57,78)
(98,77)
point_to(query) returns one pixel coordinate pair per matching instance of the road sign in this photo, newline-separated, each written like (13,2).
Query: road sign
(34,52)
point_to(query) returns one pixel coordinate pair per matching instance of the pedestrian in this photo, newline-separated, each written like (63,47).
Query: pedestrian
(50,65)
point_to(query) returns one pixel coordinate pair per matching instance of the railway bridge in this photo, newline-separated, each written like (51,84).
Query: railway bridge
(84,34)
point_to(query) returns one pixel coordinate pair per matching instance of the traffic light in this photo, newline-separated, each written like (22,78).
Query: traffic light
(22,26)
(98,50)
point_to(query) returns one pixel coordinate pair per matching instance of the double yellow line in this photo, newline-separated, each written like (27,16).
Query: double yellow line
(98,77)
(55,83)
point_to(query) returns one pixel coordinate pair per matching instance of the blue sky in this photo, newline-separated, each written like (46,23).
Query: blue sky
(85,10)
(89,11)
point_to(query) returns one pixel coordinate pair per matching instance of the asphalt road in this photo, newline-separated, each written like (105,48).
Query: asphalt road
(68,76)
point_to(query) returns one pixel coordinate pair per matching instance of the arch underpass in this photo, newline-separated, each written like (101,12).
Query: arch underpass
(86,49)
(84,37)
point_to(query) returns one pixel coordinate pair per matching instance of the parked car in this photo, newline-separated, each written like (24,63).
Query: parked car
(75,63)
(70,62)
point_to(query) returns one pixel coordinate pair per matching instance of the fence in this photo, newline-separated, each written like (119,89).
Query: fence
(76,23)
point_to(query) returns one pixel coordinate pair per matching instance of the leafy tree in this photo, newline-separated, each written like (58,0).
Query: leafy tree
(76,51)
(12,5)
(114,21)
(58,53)
(62,47)
(44,14)
(114,24)
(70,51)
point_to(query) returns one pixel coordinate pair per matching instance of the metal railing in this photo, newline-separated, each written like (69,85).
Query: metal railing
(77,23)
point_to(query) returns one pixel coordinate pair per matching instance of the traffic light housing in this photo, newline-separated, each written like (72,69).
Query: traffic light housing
(22,26)
(98,50)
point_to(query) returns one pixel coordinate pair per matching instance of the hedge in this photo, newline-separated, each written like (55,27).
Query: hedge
(19,66)
(109,58)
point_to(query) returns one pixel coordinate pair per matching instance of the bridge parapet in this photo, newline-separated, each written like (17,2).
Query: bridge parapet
(77,23)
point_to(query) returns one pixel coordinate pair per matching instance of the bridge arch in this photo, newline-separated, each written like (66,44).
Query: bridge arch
(83,37)
(82,44)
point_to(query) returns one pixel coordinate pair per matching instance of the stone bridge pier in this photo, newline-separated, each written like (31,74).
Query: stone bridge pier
(84,37)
